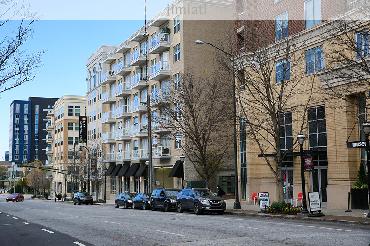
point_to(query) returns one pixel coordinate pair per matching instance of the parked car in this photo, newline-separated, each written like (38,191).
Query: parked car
(82,198)
(124,199)
(15,197)
(142,201)
(199,201)
(164,199)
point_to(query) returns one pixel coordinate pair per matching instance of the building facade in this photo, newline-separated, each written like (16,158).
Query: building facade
(119,81)
(63,143)
(329,122)
(6,156)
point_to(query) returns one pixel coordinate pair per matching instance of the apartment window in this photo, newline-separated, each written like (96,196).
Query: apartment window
(282,71)
(178,141)
(70,140)
(178,111)
(177,81)
(177,52)
(70,110)
(317,127)
(77,110)
(243,158)
(113,184)
(176,24)
(70,155)
(17,108)
(281,26)
(70,126)
(362,44)
(312,13)
(361,102)
(314,60)
(77,127)
(286,131)
(25,109)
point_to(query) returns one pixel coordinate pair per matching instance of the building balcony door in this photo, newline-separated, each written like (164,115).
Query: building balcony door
(319,181)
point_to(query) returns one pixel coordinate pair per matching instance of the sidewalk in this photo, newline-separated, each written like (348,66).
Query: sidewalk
(333,215)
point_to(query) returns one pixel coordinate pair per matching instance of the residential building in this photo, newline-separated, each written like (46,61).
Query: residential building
(330,121)
(118,84)
(6,156)
(63,143)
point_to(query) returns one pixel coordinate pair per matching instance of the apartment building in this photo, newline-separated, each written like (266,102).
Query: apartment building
(118,84)
(63,143)
(330,121)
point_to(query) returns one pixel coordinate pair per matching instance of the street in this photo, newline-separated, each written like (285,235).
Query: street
(37,222)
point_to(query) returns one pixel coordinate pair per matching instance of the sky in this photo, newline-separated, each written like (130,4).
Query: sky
(67,46)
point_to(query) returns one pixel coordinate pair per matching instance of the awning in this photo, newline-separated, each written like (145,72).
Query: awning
(116,170)
(131,172)
(123,170)
(177,170)
(142,171)
(110,169)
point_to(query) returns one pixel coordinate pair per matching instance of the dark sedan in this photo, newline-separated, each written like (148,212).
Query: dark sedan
(15,197)
(164,199)
(141,201)
(124,199)
(82,198)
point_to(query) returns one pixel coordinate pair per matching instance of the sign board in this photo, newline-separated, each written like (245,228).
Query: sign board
(356,144)
(308,163)
(82,129)
(314,201)
(263,200)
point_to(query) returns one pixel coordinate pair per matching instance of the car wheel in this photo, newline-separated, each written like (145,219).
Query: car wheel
(197,210)
(166,207)
(144,206)
(221,212)
(74,203)
(125,205)
(117,206)
(79,202)
(153,206)
(91,203)
(179,208)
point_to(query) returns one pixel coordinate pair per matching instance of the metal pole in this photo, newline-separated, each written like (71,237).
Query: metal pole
(105,186)
(304,201)
(88,174)
(368,169)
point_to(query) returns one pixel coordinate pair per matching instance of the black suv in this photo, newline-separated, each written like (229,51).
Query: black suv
(123,199)
(82,197)
(164,199)
(199,201)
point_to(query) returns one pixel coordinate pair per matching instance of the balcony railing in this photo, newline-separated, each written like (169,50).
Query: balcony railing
(122,111)
(107,117)
(123,89)
(162,152)
(108,97)
(108,137)
(159,70)
(160,43)
(140,154)
(122,134)
(139,129)
(137,81)
(107,77)
(109,157)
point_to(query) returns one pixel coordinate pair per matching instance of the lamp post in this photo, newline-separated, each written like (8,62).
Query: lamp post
(301,137)
(105,181)
(235,140)
(366,129)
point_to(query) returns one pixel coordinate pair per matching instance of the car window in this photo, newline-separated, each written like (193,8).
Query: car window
(171,192)
(202,192)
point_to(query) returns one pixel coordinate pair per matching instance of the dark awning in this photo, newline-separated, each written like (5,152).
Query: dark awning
(110,169)
(116,170)
(177,170)
(123,170)
(131,172)
(142,171)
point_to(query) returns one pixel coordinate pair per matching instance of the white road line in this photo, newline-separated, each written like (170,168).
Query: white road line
(167,232)
(311,226)
(338,229)
(7,215)
(15,218)
(51,232)
(78,243)
(348,230)
(299,225)
(26,223)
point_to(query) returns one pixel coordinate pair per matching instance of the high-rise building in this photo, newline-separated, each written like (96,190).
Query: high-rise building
(27,129)
(6,156)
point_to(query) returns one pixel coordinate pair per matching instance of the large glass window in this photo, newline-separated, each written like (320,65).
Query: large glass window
(281,26)
(312,13)
(362,44)
(286,131)
(282,71)
(243,158)
(317,127)
(70,110)
(176,24)
(177,52)
(314,60)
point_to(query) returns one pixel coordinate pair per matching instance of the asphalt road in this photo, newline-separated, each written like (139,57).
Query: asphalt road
(105,225)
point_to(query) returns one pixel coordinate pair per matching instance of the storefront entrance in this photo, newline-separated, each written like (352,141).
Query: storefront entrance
(319,181)
(287,175)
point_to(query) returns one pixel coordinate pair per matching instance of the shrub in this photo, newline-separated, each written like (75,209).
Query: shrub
(283,208)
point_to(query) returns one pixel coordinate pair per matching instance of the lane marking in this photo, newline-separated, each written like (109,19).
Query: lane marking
(15,218)
(338,229)
(26,223)
(167,232)
(311,226)
(51,232)
(78,243)
(348,230)
(7,215)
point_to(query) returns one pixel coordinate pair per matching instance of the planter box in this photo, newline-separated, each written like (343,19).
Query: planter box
(359,199)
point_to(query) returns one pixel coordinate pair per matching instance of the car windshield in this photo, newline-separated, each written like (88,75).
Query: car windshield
(202,193)
(128,196)
(171,192)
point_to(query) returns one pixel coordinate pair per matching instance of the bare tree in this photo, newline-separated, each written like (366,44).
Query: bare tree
(16,65)
(36,178)
(200,112)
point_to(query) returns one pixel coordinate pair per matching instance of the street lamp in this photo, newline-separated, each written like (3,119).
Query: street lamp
(366,129)
(301,137)
(235,140)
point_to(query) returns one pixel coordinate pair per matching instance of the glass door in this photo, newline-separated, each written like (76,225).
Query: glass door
(319,182)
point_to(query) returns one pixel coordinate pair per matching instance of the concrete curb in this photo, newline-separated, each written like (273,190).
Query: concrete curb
(329,218)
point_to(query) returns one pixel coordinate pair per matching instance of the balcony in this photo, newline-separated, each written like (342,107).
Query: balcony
(138,81)
(138,36)
(126,155)
(122,112)
(162,152)
(160,71)
(160,97)
(138,58)
(140,154)
(49,126)
(109,157)
(139,130)
(108,118)
(159,21)
(108,97)
(124,47)
(160,43)
(123,89)
(160,128)
(49,139)
(122,68)
(108,137)
(123,135)
(108,77)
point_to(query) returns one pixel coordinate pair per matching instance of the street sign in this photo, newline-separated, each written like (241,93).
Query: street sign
(263,200)
(356,144)
(83,129)
(314,201)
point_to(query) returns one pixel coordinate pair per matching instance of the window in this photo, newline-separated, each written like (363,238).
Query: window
(281,26)
(312,13)
(282,71)
(70,140)
(70,126)
(176,24)
(178,141)
(314,60)
(70,155)
(113,185)
(362,44)
(286,131)
(77,127)
(70,110)
(177,53)
(178,111)
(177,81)
(77,110)
(243,158)
(25,108)
(317,127)
(17,108)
